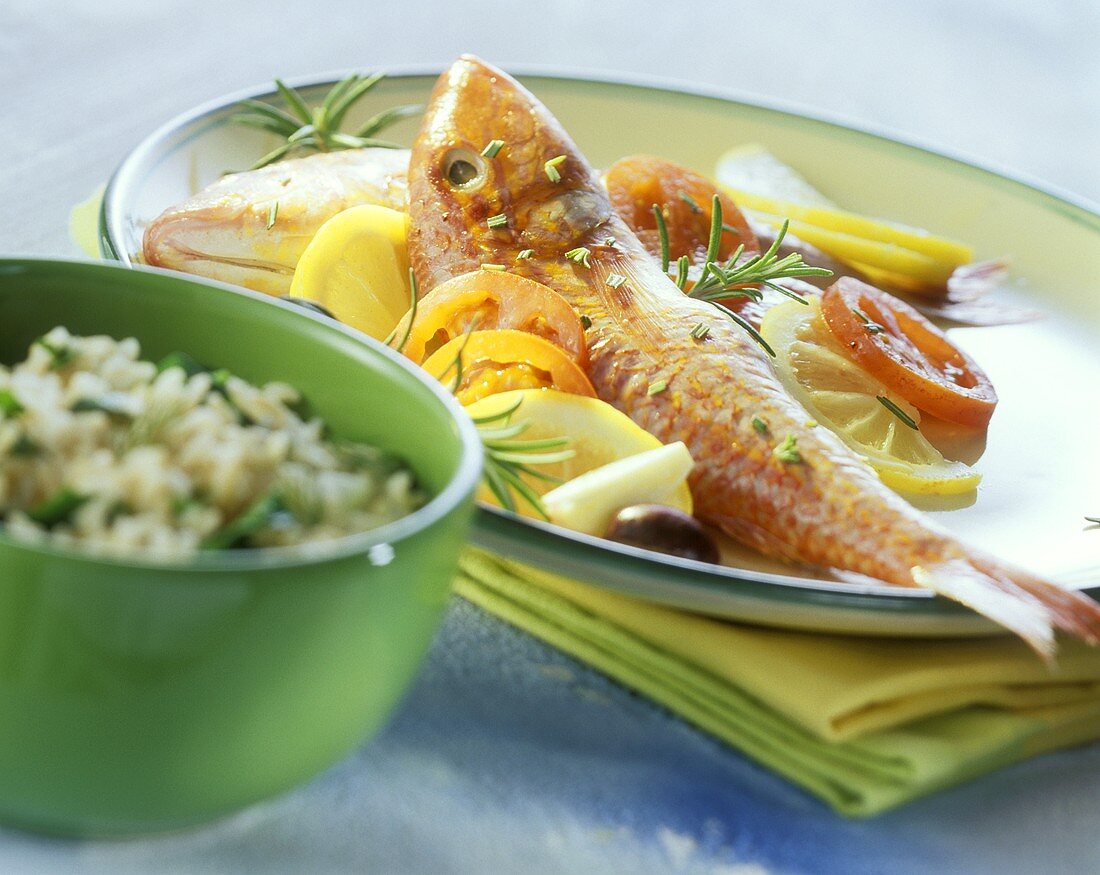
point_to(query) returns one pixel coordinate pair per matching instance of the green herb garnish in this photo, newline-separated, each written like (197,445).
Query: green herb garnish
(508,460)
(551,168)
(788,451)
(691,202)
(615,280)
(498,221)
(759,424)
(580,255)
(898,412)
(525,254)
(58,508)
(487,266)
(492,148)
(272,215)
(1093,519)
(700,331)
(112,403)
(318,129)
(182,360)
(245,524)
(868,323)
(585,322)
(414,294)
(720,280)
(63,356)
(25,448)
(662,233)
(682,265)
(657,387)
(9,404)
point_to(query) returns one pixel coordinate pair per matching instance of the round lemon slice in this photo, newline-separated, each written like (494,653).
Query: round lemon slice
(598,435)
(843,397)
(357,267)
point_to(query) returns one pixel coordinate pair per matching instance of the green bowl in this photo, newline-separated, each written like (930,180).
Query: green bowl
(137,697)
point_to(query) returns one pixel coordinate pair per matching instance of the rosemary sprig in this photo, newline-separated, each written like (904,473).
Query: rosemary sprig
(1093,519)
(721,280)
(318,129)
(718,280)
(508,460)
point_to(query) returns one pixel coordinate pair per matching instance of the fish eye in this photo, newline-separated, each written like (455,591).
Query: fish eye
(463,168)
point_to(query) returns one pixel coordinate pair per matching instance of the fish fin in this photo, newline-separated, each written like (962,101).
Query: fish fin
(1073,612)
(996,596)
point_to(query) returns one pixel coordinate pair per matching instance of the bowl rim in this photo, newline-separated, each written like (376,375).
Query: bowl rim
(459,487)
(495,529)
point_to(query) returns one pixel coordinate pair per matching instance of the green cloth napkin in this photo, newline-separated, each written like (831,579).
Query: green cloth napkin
(866,724)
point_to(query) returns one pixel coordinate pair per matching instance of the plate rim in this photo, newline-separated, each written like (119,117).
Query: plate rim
(494,529)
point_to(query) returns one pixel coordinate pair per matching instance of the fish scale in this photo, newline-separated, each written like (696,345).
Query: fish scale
(830,510)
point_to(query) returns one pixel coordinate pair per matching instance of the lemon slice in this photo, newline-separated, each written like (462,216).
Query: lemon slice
(598,435)
(357,266)
(751,167)
(843,397)
(772,191)
(587,503)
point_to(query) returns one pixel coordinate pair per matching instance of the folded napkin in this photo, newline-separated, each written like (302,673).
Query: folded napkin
(865,724)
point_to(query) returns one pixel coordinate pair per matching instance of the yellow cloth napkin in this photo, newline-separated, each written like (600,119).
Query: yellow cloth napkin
(865,724)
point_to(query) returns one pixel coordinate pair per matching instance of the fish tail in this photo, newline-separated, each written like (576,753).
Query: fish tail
(1031,607)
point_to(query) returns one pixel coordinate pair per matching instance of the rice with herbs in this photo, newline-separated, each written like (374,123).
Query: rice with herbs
(124,457)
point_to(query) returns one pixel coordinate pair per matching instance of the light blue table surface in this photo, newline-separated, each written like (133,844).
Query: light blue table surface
(508,756)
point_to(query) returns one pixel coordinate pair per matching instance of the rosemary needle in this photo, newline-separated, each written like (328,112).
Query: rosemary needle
(551,168)
(492,148)
(898,412)
(662,231)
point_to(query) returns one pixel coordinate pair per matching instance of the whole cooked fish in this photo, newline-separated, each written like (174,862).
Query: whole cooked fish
(795,490)
(251,228)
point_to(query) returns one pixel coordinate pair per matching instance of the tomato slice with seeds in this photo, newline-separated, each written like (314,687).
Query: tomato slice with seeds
(488,300)
(505,359)
(685,198)
(907,353)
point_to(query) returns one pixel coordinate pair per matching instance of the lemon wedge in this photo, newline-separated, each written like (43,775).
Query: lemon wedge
(772,191)
(598,435)
(751,167)
(587,503)
(843,397)
(357,266)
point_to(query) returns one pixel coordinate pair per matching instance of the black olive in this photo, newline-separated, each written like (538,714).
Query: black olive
(312,306)
(663,529)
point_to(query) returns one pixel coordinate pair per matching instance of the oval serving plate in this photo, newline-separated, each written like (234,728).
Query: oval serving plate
(1041,470)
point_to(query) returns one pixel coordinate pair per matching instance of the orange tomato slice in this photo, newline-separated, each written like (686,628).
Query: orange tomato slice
(488,300)
(907,353)
(502,360)
(685,199)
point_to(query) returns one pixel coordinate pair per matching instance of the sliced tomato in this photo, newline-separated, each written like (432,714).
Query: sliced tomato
(488,300)
(685,199)
(907,353)
(502,360)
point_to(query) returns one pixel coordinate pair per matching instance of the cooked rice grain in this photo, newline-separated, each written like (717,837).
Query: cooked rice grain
(166,464)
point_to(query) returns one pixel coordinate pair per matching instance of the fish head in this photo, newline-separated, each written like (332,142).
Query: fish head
(471,204)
